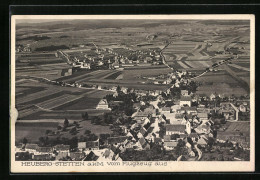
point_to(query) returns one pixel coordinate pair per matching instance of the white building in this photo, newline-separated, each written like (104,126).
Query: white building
(103,104)
(185,100)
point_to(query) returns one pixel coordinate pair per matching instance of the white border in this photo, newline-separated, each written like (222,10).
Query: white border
(173,166)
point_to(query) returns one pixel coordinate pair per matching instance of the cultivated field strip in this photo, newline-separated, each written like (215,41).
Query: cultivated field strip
(26,112)
(36,95)
(183,65)
(20,89)
(240,67)
(52,103)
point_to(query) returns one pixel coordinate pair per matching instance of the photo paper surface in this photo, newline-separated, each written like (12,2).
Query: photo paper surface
(132,93)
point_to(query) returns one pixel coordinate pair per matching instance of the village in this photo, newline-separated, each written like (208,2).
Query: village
(176,124)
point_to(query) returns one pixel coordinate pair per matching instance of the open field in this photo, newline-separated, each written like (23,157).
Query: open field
(32,131)
(40,97)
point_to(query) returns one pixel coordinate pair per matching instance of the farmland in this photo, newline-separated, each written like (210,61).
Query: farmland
(193,46)
(34,130)
(51,97)
(44,90)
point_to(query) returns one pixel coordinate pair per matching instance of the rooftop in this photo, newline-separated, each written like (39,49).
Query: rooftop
(185,98)
(175,127)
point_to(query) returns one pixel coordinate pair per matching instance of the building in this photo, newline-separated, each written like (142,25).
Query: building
(42,157)
(31,148)
(202,116)
(184,92)
(77,156)
(116,140)
(170,145)
(62,148)
(44,150)
(103,104)
(66,72)
(175,129)
(81,146)
(91,157)
(185,101)
(92,145)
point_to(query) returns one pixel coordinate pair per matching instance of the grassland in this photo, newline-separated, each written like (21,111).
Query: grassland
(32,131)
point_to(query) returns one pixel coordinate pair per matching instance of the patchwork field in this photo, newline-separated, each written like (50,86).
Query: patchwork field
(37,97)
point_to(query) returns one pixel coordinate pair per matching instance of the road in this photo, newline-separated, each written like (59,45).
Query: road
(199,152)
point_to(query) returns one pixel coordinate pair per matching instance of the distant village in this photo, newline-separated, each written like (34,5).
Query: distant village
(176,124)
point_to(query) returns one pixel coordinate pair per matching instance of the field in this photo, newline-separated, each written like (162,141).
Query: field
(129,77)
(32,131)
(33,98)
(194,46)
(220,82)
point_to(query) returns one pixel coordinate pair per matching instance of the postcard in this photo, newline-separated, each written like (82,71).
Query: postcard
(132,93)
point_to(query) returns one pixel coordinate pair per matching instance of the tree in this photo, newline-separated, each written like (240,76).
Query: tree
(25,141)
(59,127)
(47,131)
(92,137)
(87,132)
(118,89)
(66,122)
(211,141)
(73,142)
(73,130)
(85,116)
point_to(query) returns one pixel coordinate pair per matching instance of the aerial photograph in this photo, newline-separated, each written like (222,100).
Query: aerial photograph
(132,90)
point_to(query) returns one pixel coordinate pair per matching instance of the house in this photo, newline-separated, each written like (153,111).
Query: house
(41,157)
(62,148)
(184,92)
(174,108)
(202,142)
(202,116)
(66,72)
(107,155)
(103,104)
(167,138)
(116,140)
(116,65)
(143,132)
(31,148)
(143,144)
(91,157)
(165,110)
(82,146)
(77,156)
(92,145)
(203,129)
(61,155)
(158,140)
(124,90)
(242,108)
(175,129)
(170,145)
(185,101)
(44,150)
(150,110)
(188,110)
